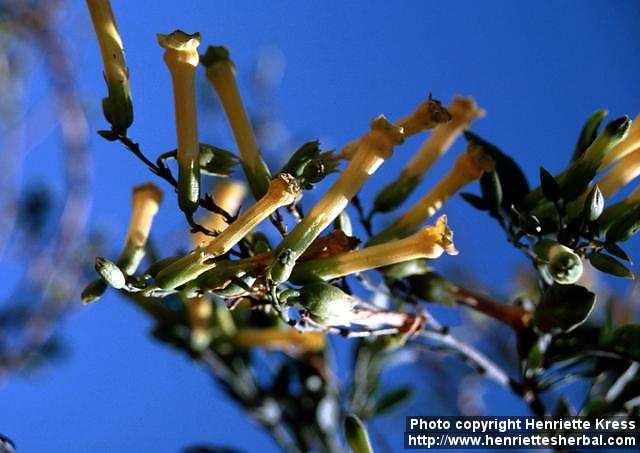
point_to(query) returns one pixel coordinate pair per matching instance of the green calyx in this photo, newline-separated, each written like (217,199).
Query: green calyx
(118,107)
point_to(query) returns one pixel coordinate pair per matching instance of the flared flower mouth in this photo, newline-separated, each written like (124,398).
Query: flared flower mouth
(444,236)
(179,40)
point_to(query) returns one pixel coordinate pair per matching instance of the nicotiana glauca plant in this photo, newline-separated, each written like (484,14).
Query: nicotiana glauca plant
(239,290)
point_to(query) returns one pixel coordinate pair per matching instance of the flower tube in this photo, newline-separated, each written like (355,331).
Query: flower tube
(375,147)
(117,106)
(463,111)
(629,144)
(623,172)
(428,115)
(431,242)
(468,167)
(181,57)
(228,195)
(221,74)
(278,339)
(283,190)
(145,202)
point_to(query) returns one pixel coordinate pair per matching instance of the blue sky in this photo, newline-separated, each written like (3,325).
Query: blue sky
(538,68)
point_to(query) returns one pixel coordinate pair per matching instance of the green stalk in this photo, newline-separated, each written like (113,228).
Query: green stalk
(375,147)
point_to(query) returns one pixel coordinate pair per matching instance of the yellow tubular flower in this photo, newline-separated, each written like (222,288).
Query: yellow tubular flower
(117,107)
(221,74)
(468,167)
(626,146)
(181,57)
(428,115)
(228,194)
(431,242)
(375,147)
(277,339)
(283,191)
(463,111)
(199,312)
(622,173)
(146,202)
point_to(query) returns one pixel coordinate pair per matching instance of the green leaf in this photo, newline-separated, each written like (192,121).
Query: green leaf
(616,250)
(492,192)
(589,133)
(528,223)
(609,265)
(357,435)
(513,181)
(475,201)
(550,187)
(562,308)
(593,205)
(392,399)
(216,161)
(625,341)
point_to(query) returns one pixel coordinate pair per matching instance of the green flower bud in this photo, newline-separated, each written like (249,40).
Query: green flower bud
(93,291)
(343,223)
(110,273)
(357,435)
(327,304)
(564,266)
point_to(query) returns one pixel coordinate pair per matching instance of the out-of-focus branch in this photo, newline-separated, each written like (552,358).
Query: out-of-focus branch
(52,277)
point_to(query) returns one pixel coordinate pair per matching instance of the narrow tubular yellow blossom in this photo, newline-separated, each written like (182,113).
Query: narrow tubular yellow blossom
(468,167)
(283,191)
(463,111)
(622,173)
(117,106)
(145,204)
(200,312)
(221,74)
(428,115)
(228,195)
(181,57)
(376,146)
(430,242)
(278,339)
(626,146)
(146,201)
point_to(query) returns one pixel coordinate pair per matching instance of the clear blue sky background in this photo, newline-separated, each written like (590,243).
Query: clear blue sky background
(538,68)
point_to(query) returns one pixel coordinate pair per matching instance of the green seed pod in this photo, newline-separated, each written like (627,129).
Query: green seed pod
(394,194)
(564,266)
(327,304)
(357,435)
(93,291)
(110,273)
